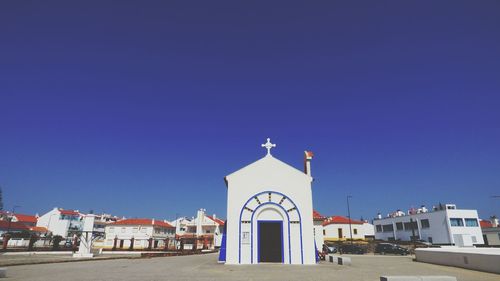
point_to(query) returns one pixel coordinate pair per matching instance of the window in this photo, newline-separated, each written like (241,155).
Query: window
(399,226)
(456,222)
(430,239)
(471,222)
(411,225)
(379,228)
(324,232)
(387,228)
(135,229)
(474,239)
(425,223)
(208,231)
(355,231)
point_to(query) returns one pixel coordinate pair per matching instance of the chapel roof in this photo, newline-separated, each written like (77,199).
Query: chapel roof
(268,159)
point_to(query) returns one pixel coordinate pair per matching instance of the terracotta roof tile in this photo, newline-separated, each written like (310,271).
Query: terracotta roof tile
(485,224)
(218,221)
(13,225)
(317,216)
(39,229)
(340,220)
(26,218)
(69,212)
(142,222)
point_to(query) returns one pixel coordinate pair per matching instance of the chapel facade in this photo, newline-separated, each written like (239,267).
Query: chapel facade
(270,213)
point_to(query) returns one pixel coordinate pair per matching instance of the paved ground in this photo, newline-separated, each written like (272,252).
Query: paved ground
(9,260)
(205,267)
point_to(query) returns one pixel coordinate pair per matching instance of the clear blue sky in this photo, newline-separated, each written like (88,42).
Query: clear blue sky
(140,108)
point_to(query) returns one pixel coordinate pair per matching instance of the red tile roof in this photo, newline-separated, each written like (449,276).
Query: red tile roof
(26,218)
(340,220)
(40,229)
(485,224)
(317,216)
(69,212)
(13,225)
(218,221)
(142,222)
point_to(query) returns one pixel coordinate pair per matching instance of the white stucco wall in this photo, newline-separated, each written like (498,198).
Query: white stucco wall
(53,222)
(439,228)
(318,234)
(270,174)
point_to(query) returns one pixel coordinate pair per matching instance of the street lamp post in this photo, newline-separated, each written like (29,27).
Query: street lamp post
(349,216)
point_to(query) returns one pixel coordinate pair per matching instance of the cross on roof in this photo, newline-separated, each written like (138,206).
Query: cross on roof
(268,145)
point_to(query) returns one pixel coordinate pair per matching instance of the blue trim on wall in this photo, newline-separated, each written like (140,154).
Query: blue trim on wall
(251,232)
(251,238)
(282,239)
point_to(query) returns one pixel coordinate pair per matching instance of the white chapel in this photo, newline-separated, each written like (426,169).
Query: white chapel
(270,213)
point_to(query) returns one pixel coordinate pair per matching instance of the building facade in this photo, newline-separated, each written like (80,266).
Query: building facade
(130,234)
(269,213)
(444,225)
(202,227)
(318,220)
(337,228)
(65,223)
(491,232)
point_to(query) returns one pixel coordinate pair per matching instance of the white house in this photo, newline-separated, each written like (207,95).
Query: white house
(444,225)
(491,231)
(202,227)
(318,220)
(61,222)
(270,213)
(337,228)
(139,234)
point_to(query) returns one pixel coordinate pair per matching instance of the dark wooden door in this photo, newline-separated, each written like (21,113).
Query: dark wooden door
(270,241)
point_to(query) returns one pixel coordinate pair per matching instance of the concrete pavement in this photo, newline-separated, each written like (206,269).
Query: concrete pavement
(205,267)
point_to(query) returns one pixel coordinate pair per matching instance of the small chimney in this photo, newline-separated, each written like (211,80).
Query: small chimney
(494,221)
(214,216)
(308,155)
(153,221)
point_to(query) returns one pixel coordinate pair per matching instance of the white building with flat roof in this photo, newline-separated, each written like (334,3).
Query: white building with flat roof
(444,225)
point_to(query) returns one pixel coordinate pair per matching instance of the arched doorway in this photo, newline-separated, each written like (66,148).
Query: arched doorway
(270,229)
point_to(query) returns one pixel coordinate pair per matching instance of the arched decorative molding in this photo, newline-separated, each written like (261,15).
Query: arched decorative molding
(279,201)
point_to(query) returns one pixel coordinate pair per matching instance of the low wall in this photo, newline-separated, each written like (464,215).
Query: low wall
(482,259)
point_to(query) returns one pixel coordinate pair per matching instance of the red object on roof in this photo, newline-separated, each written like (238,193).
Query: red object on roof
(26,218)
(218,221)
(340,220)
(485,224)
(143,222)
(317,216)
(5,225)
(69,212)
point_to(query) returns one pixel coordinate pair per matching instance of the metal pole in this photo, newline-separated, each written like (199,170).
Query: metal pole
(349,216)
